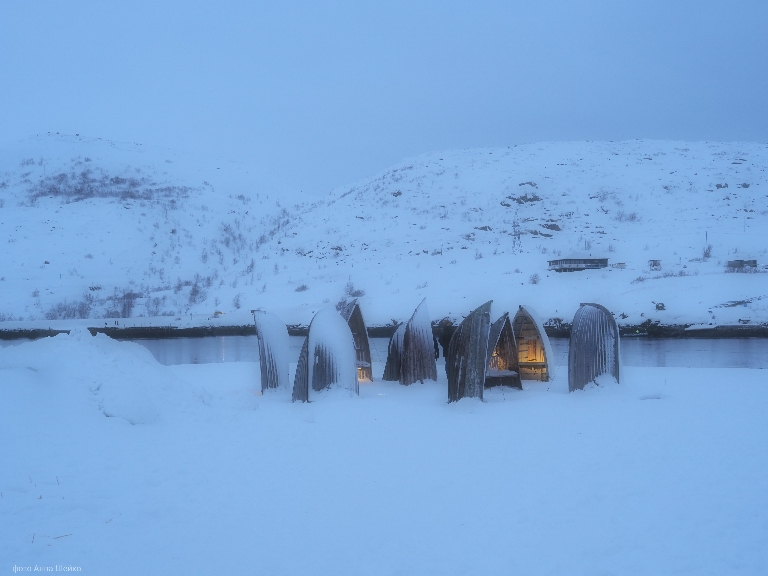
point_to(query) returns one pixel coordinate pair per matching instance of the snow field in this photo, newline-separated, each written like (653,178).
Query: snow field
(194,471)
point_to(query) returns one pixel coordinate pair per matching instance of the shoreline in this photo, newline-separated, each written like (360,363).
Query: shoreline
(147,332)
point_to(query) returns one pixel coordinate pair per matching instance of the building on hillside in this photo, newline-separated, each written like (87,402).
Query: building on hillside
(654,264)
(577,262)
(741,264)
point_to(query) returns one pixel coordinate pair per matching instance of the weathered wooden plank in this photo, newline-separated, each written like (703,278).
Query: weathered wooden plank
(301,378)
(394,353)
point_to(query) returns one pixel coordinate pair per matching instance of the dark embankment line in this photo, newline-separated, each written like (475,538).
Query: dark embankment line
(442,331)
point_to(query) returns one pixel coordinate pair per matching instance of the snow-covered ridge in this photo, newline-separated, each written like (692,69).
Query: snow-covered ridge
(458,227)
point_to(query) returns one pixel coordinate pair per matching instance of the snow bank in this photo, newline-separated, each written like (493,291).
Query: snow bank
(97,375)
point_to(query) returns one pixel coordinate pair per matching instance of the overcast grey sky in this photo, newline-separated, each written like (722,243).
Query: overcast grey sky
(324,93)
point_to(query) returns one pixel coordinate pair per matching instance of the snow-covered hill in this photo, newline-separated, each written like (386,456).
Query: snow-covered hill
(93,228)
(103,229)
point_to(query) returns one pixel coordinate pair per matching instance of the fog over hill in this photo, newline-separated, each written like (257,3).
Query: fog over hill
(95,228)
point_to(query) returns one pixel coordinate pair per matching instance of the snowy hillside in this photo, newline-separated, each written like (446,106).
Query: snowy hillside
(461,227)
(151,233)
(96,228)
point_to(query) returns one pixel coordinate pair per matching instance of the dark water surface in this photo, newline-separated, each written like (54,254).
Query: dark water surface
(696,353)
(685,353)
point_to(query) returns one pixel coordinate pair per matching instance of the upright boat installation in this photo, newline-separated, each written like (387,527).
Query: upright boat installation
(273,350)
(503,366)
(354,317)
(466,361)
(481,355)
(534,352)
(411,350)
(594,346)
(327,358)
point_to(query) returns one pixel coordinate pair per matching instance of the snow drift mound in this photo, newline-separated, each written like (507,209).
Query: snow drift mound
(81,376)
